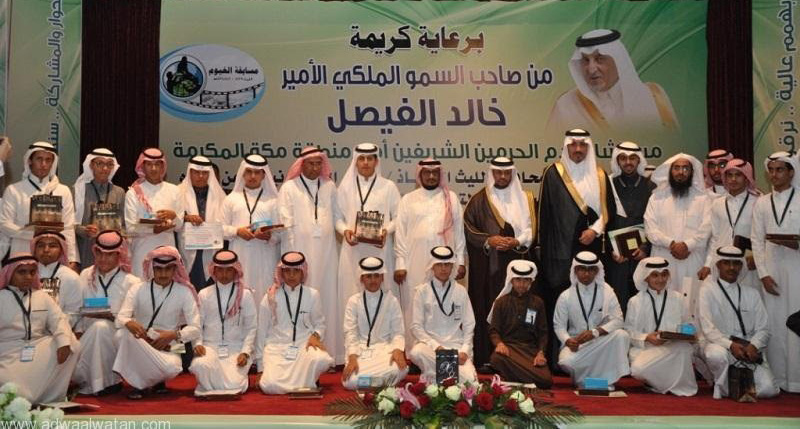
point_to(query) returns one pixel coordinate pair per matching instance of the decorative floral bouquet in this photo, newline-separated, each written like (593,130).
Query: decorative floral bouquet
(17,408)
(420,405)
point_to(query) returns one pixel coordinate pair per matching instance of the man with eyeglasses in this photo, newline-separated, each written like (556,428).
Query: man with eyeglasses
(715,162)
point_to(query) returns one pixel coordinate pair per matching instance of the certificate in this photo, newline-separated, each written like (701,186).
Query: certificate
(206,236)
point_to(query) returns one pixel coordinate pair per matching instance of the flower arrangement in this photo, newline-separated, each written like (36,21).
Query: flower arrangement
(16,408)
(421,405)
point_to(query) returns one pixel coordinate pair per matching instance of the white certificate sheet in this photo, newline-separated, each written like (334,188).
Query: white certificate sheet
(206,236)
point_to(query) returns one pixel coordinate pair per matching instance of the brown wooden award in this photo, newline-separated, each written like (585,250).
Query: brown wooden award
(45,212)
(369,227)
(106,216)
(667,335)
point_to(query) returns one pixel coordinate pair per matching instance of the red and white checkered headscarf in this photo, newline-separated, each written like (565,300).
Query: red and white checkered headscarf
(448,224)
(15,261)
(310,152)
(288,260)
(110,241)
(62,241)
(149,154)
(745,168)
(227,258)
(164,256)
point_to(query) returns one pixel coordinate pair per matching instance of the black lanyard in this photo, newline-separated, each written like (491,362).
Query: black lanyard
(738,216)
(26,313)
(296,311)
(38,189)
(658,316)
(371,323)
(362,198)
(785,208)
(97,193)
(737,310)
(106,286)
(583,309)
(444,297)
(255,204)
(55,271)
(315,197)
(227,306)
(153,302)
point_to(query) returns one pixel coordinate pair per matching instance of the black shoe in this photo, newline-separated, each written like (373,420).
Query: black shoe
(110,390)
(485,369)
(161,388)
(413,369)
(136,394)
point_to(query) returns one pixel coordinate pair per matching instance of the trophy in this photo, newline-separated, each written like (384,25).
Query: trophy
(369,227)
(106,216)
(52,287)
(45,212)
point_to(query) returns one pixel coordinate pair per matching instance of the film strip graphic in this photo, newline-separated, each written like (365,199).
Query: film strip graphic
(225,100)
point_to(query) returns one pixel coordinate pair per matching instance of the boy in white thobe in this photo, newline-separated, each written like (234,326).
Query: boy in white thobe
(38,351)
(373,332)
(223,354)
(663,365)
(588,322)
(442,318)
(153,312)
(108,278)
(291,326)
(49,248)
(734,324)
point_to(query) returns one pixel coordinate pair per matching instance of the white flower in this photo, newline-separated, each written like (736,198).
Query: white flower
(385,406)
(4,398)
(517,396)
(9,388)
(47,415)
(453,393)
(19,409)
(526,406)
(432,390)
(389,392)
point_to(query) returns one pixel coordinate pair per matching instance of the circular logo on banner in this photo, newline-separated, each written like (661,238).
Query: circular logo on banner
(209,83)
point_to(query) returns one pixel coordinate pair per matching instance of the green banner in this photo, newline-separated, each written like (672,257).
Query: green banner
(460,81)
(775,123)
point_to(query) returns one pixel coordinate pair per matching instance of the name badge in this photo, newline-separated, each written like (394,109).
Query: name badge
(222,351)
(364,381)
(457,312)
(366,354)
(291,353)
(316,231)
(27,354)
(530,316)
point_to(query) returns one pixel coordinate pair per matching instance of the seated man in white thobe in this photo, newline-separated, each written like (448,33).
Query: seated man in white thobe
(734,322)
(223,354)
(662,365)
(109,278)
(588,322)
(49,248)
(373,332)
(38,351)
(291,326)
(153,312)
(442,317)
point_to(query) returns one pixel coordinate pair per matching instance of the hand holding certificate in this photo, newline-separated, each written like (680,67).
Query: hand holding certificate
(208,235)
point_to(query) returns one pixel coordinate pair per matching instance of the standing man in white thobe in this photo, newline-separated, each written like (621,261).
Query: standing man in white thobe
(714,164)
(427,217)
(734,323)
(373,332)
(38,178)
(588,322)
(49,248)
(248,212)
(309,210)
(150,197)
(778,264)
(38,351)
(110,278)
(152,313)
(223,353)
(664,366)
(442,317)
(291,325)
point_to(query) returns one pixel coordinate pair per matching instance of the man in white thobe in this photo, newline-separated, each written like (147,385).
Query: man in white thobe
(49,248)
(734,324)
(291,325)
(223,353)
(152,313)
(713,176)
(373,332)
(308,208)
(152,199)
(677,222)
(249,214)
(588,322)
(442,317)
(427,217)
(664,366)
(778,264)
(40,163)
(110,279)
(38,351)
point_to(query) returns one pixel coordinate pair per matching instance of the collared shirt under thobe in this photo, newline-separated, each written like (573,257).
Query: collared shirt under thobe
(386,330)
(434,328)
(240,330)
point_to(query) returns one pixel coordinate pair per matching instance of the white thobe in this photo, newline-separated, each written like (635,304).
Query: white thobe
(724,228)
(719,322)
(668,367)
(315,237)
(385,336)
(137,361)
(450,326)
(15,214)
(603,357)
(420,217)
(43,379)
(70,296)
(716,191)
(220,374)
(687,220)
(276,337)
(258,257)
(783,265)
(101,337)
(163,196)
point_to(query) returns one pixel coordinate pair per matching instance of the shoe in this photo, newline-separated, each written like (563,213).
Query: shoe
(110,390)
(136,394)
(485,369)
(161,388)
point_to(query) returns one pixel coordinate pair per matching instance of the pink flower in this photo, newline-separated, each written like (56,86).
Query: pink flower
(469,392)
(405,395)
(497,385)
(462,409)
(407,410)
